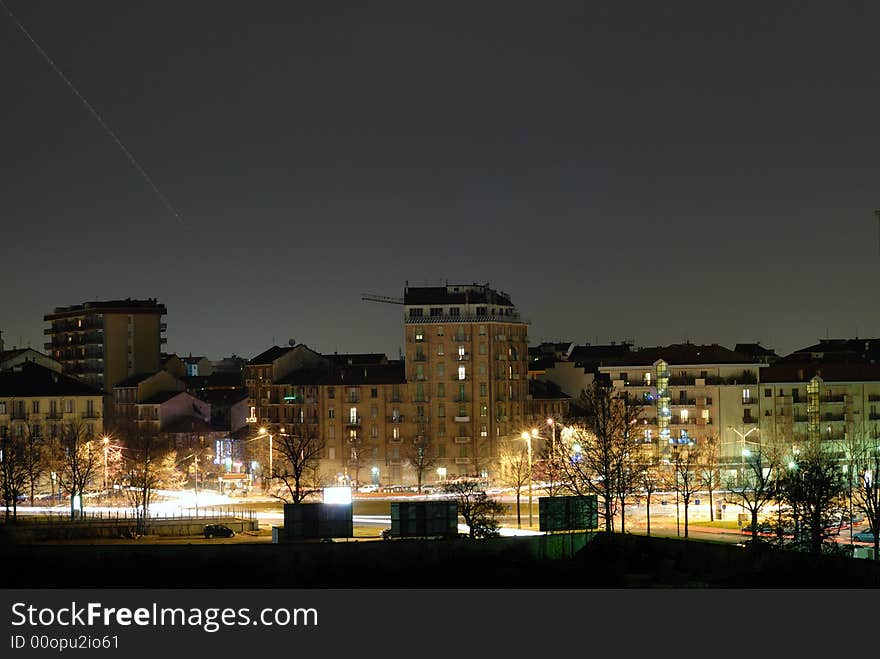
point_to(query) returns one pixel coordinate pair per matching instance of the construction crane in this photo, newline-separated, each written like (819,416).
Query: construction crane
(387,299)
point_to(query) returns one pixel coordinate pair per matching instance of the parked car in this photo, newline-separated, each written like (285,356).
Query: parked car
(864,535)
(366,489)
(218,531)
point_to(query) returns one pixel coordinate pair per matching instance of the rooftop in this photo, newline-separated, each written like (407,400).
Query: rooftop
(30,379)
(128,305)
(456,294)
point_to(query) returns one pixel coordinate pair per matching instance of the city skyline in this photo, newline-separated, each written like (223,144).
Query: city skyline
(645,173)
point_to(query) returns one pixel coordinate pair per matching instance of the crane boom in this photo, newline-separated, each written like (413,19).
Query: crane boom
(387,299)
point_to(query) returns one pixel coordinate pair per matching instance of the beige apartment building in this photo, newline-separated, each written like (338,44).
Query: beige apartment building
(690,393)
(834,402)
(462,386)
(467,370)
(44,403)
(102,343)
(357,403)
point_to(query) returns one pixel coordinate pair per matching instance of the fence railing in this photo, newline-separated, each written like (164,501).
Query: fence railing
(125,514)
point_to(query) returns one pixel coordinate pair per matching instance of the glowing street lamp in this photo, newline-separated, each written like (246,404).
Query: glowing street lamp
(528,437)
(106,442)
(264,431)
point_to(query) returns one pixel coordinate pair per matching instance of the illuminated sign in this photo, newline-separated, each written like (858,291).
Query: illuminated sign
(337,495)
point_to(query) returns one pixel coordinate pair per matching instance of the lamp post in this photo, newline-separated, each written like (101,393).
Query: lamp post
(263,431)
(743,453)
(106,442)
(528,437)
(552,470)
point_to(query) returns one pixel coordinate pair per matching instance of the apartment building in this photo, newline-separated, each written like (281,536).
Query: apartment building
(102,343)
(467,371)
(835,402)
(45,403)
(690,393)
(357,403)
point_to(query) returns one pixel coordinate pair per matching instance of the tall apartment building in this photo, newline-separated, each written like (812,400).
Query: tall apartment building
(466,370)
(102,343)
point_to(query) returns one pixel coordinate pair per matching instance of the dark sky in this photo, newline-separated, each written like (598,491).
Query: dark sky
(647,170)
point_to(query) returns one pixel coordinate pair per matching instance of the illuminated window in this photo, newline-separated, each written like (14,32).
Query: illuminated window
(419,334)
(461,373)
(684,416)
(705,415)
(647,379)
(353,415)
(395,432)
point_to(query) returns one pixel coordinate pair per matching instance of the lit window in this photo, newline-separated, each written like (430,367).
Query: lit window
(461,373)
(684,415)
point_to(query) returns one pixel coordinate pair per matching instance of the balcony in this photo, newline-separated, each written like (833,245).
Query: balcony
(684,402)
(54,415)
(91,414)
(833,399)
(462,461)
(462,419)
(874,416)
(682,380)
(353,422)
(466,357)
(18,415)
(462,440)
(394,440)
(832,417)
(874,398)
(420,357)
(749,401)
(422,419)
(461,399)
(395,419)
(800,418)
(749,419)
(461,337)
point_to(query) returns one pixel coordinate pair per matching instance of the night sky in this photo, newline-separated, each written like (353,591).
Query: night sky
(648,170)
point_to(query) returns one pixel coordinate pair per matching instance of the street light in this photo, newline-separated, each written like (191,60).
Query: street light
(263,431)
(552,424)
(528,437)
(106,442)
(745,452)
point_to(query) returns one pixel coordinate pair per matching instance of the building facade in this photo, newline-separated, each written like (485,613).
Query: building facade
(103,343)
(44,403)
(467,372)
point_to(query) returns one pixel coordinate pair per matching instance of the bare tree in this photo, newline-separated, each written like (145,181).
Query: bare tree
(514,469)
(650,480)
(13,472)
(758,485)
(478,508)
(813,486)
(421,456)
(685,465)
(357,455)
(710,474)
(866,491)
(300,460)
(78,457)
(591,454)
(149,460)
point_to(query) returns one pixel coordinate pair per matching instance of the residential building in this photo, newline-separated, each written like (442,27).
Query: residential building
(467,371)
(40,401)
(356,403)
(690,393)
(17,356)
(102,343)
